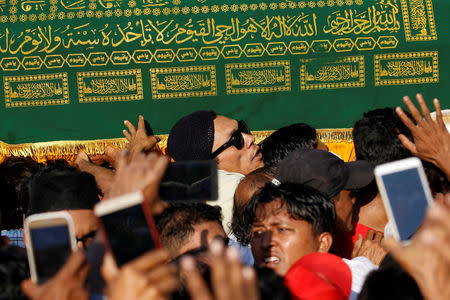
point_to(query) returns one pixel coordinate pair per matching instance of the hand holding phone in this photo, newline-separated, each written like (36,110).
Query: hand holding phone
(69,280)
(405,193)
(50,239)
(128,226)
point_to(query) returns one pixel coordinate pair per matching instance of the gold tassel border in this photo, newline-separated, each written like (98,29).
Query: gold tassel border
(338,140)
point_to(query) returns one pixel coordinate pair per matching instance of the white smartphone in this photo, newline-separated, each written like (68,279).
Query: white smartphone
(406,195)
(128,226)
(50,240)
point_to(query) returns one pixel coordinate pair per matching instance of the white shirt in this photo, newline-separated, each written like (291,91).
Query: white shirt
(227,183)
(360,266)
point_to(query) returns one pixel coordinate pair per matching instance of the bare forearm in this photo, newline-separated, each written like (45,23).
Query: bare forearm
(103,176)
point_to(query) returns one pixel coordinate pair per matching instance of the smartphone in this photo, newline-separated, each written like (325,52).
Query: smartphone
(50,240)
(190,181)
(405,193)
(128,226)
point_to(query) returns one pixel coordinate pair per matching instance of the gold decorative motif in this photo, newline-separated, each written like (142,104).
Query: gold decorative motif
(183,82)
(346,72)
(36,90)
(149,6)
(406,68)
(338,140)
(418,18)
(107,86)
(258,77)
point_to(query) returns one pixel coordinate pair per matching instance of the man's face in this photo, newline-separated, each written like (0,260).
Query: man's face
(86,225)
(204,233)
(278,241)
(243,160)
(343,205)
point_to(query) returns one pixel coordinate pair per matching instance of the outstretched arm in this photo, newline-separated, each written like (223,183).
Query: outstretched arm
(431,138)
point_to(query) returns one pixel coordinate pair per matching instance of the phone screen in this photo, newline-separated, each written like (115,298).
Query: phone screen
(408,200)
(187,181)
(51,246)
(128,233)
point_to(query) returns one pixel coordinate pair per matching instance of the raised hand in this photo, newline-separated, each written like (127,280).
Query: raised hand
(431,138)
(141,173)
(427,258)
(147,277)
(67,284)
(230,280)
(138,139)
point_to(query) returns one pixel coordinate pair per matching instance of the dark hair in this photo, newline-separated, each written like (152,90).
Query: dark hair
(376,137)
(58,187)
(301,202)
(175,224)
(436,178)
(271,286)
(390,282)
(51,165)
(255,180)
(13,270)
(12,171)
(286,140)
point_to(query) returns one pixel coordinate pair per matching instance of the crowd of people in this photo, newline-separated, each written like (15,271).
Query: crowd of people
(292,220)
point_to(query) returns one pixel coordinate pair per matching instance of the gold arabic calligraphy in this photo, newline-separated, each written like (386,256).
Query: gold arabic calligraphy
(206,31)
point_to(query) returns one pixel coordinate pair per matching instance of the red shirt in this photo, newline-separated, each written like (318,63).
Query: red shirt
(343,244)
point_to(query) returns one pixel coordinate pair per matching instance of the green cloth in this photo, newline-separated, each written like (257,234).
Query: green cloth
(75,69)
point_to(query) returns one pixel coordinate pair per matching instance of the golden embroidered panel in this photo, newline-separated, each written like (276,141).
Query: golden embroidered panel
(75,69)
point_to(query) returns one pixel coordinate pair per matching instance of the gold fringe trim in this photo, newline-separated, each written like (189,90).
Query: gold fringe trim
(68,150)
(335,135)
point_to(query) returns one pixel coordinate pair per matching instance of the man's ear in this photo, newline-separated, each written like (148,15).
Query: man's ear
(325,241)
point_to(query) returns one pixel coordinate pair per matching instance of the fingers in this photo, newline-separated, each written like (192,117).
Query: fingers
(357,245)
(157,165)
(75,265)
(405,119)
(424,107)
(250,289)
(30,289)
(219,272)
(378,237)
(393,247)
(413,110)
(370,234)
(122,159)
(195,284)
(130,127)
(436,230)
(235,276)
(109,268)
(406,142)
(439,118)
(167,283)
(127,135)
(149,260)
(141,123)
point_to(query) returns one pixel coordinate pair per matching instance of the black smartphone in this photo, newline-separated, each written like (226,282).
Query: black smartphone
(128,226)
(190,181)
(50,239)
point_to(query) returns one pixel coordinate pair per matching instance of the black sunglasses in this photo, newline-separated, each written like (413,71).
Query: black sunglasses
(236,139)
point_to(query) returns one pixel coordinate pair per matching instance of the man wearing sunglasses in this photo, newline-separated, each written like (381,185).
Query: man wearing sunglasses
(204,135)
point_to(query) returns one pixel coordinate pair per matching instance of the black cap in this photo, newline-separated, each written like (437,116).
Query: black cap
(192,137)
(324,171)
